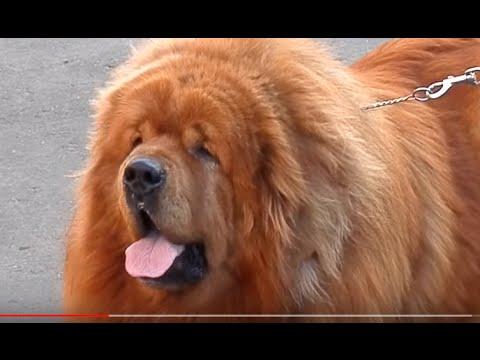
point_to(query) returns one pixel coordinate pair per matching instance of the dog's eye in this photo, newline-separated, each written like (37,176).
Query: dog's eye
(138,140)
(202,153)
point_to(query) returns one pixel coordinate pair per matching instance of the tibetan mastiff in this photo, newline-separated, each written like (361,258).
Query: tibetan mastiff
(243,176)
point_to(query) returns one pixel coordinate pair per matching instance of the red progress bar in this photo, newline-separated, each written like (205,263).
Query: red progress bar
(55,315)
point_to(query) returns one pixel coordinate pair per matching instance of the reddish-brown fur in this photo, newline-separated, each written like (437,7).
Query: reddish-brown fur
(318,206)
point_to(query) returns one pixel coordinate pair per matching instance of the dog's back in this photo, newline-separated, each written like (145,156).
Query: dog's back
(397,68)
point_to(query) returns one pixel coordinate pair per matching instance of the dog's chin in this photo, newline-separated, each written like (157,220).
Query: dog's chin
(160,262)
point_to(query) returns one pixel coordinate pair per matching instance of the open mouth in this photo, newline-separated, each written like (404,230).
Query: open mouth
(158,262)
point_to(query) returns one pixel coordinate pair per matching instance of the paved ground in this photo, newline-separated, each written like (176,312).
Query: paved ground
(45,89)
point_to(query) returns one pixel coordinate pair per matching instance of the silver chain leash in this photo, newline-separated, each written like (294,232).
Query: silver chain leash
(433,91)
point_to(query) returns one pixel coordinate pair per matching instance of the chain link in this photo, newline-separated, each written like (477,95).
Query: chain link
(433,91)
(388,102)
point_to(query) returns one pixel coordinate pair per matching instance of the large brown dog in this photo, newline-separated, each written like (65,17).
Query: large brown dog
(235,176)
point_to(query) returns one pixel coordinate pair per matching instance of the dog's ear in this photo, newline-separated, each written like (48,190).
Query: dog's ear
(282,183)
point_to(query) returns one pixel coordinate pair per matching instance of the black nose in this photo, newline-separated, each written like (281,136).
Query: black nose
(143,176)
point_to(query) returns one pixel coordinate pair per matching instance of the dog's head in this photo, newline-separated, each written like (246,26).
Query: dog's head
(207,177)
(208,149)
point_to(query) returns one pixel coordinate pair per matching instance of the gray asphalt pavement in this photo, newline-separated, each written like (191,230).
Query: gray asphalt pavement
(45,89)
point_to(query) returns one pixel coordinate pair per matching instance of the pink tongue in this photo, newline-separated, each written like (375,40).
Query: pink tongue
(151,256)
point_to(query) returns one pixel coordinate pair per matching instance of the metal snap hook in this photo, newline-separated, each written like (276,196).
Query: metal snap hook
(442,86)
